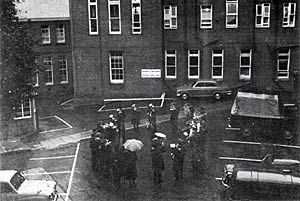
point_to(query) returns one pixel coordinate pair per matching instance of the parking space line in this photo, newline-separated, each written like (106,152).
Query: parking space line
(63,121)
(51,158)
(48,173)
(72,172)
(240,159)
(259,143)
(241,142)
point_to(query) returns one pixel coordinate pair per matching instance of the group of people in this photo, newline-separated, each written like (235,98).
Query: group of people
(112,160)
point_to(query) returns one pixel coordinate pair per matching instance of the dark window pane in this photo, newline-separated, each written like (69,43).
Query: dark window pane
(194,61)
(114,11)
(171,61)
(193,71)
(217,71)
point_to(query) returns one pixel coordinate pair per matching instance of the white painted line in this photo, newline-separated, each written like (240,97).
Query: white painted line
(258,143)
(59,129)
(163,99)
(234,129)
(49,158)
(63,121)
(101,108)
(72,173)
(240,159)
(65,103)
(242,142)
(130,99)
(48,173)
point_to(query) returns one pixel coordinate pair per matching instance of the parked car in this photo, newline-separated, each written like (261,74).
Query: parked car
(14,186)
(203,88)
(279,179)
(272,116)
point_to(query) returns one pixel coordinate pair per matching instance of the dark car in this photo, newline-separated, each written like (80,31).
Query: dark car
(203,88)
(272,116)
(277,179)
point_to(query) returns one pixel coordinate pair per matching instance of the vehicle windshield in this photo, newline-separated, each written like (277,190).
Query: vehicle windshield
(17,180)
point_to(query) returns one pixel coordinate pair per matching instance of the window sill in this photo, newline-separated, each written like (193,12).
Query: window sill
(49,84)
(20,118)
(64,82)
(116,82)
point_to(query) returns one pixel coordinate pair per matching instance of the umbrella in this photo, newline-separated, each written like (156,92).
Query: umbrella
(160,135)
(133,145)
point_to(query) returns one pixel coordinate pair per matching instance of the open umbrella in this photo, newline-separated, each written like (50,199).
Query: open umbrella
(160,135)
(133,145)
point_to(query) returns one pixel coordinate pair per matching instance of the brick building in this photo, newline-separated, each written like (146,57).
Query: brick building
(143,48)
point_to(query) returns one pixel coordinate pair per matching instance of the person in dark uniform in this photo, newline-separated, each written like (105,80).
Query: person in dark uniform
(151,114)
(107,156)
(135,120)
(130,169)
(158,165)
(118,165)
(174,116)
(177,155)
(94,146)
(120,117)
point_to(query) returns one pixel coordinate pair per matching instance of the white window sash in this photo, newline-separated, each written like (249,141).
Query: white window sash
(233,3)
(193,66)
(168,55)
(249,55)
(23,111)
(287,13)
(114,2)
(170,15)
(116,81)
(60,34)
(206,23)
(46,37)
(63,64)
(90,4)
(138,9)
(48,62)
(217,66)
(264,14)
(287,67)
(36,79)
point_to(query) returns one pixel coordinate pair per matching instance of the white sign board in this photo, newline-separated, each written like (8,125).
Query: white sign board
(151,73)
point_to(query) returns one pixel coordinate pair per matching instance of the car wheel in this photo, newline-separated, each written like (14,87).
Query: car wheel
(217,96)
(246,131)
(288,135)
(184,96)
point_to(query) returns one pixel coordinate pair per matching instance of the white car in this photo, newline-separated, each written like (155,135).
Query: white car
(14,186)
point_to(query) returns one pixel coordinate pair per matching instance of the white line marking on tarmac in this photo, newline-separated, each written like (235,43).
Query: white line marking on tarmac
(72,173)
(63,121)
(101,108)
(49,158)
(60,129)
(240,159)
(48,173)
(258,143)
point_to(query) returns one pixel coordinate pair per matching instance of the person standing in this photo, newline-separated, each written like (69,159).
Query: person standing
(174,116)
(151,114)
(130,170)
(120,117)
(177,156)
(158,165)
(135,120)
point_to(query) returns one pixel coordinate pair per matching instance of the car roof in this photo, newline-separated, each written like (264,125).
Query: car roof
(6,175)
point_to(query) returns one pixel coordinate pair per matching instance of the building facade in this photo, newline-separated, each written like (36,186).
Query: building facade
(137,48)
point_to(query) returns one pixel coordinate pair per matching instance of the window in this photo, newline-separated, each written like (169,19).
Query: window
(35,77)
(231,13)
(206,16)
(194,64)
(93,17)
(136,17)
(170,17)
(45,30)
(48,70)
(63,70)
(60,34)
(116,68)
(24,110)
(289,11)
(262,19)
(114,16)
(245,64)
(170,64)
(217,64)
(283,64)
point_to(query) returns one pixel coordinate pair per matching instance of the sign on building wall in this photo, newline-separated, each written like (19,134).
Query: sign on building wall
(150,73)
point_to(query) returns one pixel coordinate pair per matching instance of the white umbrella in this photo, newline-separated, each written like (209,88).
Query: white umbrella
(133,145)
(160,135)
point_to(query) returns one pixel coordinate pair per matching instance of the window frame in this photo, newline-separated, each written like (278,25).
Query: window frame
(45,63)
(235,3)
(261,24)
(121,56)
(92,3)
(60,34)
(192,66)
(289,14)
(136,30)
(45,35)
(170,16)
(287,71)
(209,23)
(217,66)
(114,2)
(63,67)
(243,54)
(21,106)
(170,55)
